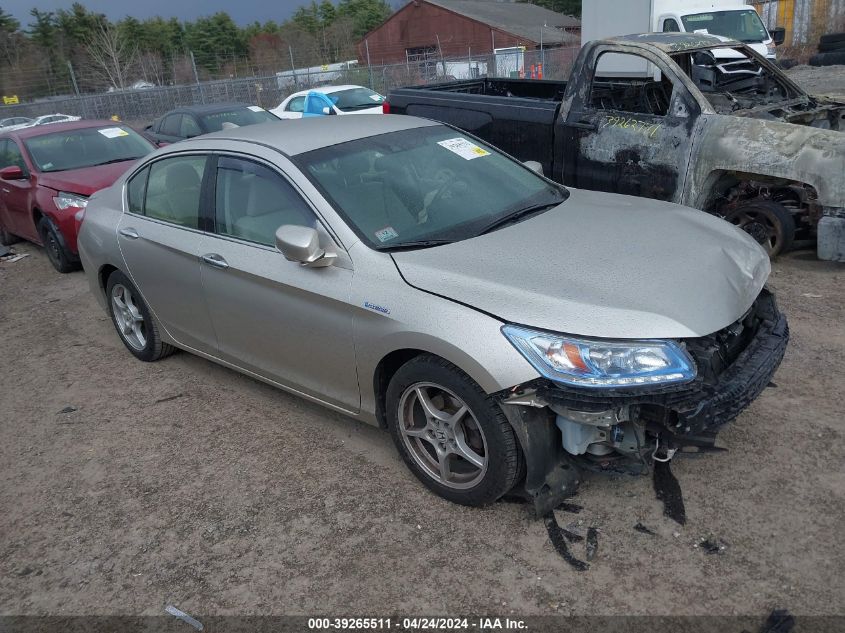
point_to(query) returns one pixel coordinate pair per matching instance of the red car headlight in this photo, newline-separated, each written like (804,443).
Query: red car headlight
(64,201)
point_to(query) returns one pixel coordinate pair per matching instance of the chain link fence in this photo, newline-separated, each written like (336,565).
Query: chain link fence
(139,107)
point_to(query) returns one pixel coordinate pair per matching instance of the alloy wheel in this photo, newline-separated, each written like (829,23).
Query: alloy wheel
(128,318)
(442,435)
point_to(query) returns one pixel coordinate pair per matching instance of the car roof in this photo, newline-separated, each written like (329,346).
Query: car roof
(52,128)
(208,108)
(327,90)
(297,136)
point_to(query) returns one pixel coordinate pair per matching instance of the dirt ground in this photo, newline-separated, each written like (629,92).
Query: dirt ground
(184,483)
(829,80)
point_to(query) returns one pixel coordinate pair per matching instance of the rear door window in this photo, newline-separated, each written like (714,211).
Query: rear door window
(171,124)
(189,127)
(135,190)
(174,190)
(297,104)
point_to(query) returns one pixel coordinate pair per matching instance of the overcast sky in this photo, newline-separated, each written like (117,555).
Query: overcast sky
(242,11)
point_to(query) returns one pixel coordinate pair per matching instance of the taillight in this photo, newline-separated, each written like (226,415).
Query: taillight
(385,107)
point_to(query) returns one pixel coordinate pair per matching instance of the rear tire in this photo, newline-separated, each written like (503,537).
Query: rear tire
(768,222)
(54,244)
(7,239)
(471,458)
(832,38)
(835,58)
(831,47)
(133,321)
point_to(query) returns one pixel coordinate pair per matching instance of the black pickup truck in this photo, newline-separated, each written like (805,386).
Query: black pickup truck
(736,138)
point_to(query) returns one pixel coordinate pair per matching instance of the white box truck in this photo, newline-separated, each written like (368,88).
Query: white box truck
(733,19)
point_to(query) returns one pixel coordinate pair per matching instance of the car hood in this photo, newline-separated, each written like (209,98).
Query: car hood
(85,181)
(602,265)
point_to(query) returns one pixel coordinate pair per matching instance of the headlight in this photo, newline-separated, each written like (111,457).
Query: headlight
(599,363)
(70,201)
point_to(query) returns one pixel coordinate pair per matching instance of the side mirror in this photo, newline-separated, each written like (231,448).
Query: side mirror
(327,110)
(533,165)
(301,244)
(778,35)
(12,173)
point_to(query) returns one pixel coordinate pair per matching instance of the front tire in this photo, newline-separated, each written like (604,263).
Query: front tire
(453,436)
(132,320)
(768,222)
(57,252)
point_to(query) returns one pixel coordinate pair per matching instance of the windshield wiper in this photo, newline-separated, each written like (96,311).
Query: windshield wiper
(412,245)
(517,215)
(115,160)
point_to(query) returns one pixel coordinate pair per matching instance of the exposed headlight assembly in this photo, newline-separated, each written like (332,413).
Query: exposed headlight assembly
(602,363)
(66,200)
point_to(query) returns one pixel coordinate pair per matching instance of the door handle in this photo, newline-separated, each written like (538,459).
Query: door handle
(6,190)
(583,125)
(213,259)
(132,234)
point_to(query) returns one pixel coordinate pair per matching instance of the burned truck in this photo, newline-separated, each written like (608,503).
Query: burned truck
(693,119)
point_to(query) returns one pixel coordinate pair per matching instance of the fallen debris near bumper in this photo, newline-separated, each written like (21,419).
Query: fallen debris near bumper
(668,490)
(558,540)
(639,527)
(712,546)
(592,543)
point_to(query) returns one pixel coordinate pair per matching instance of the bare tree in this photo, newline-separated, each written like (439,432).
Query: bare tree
(113,57)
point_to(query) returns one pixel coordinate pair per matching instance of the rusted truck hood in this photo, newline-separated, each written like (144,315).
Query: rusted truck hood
(602,265)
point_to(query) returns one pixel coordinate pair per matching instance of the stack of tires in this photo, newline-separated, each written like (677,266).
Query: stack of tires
(831,50)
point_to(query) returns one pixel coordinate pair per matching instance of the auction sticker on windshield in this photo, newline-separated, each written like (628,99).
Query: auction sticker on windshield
(387,233)
(463,148)
(113,132)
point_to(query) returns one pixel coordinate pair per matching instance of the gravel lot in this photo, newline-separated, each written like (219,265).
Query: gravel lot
(825,80)
(184,483)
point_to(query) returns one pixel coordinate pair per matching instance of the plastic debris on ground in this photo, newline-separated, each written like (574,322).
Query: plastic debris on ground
(639,527)
(10,256)
(184,617)
(712,545)
(559,543)
(668,490)
(592,543)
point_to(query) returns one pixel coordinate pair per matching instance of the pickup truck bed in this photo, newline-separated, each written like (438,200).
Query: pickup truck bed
(513,114)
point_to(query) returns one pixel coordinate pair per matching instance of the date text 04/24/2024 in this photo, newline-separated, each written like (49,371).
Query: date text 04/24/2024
(416,624)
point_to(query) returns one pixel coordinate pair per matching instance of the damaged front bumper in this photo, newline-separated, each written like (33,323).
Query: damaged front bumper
(566,430)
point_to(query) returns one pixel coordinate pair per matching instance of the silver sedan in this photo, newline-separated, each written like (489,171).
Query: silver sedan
(510,333)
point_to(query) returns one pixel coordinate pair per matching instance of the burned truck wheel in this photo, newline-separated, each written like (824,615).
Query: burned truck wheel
(768,222)
(452,436)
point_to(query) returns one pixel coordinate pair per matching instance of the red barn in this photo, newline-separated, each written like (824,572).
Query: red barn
(430,29)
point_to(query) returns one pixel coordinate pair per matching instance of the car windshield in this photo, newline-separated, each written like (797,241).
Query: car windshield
(239,116)
(743,26)
(86,147)
(425,186)
(356,99)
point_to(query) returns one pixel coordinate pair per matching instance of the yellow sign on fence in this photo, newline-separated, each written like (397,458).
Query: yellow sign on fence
(10,100)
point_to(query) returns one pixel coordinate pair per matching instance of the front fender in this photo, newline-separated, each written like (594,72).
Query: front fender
(769,149)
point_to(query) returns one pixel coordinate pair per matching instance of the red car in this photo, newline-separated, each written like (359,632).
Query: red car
(47,174)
